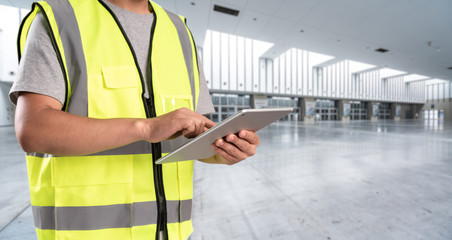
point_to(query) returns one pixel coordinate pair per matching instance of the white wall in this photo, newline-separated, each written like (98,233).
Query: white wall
(1,53)
(436,90)
(9,23)
(6,108)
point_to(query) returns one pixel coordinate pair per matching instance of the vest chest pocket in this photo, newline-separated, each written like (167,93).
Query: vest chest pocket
(115,93)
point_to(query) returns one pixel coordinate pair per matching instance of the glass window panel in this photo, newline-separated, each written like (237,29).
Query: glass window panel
(224,61)
(345,91)
(335,81)
(282,74)
(300,71)
(327,80)
(295,70)
(248,64)
(435,91)
(340,84)
(255,70)
(216,68)
(207,58)
(288,72)
(233,62)
(332,76)
(241,63)
(9,24)
(449,88)
(374,85)
(275,76)
(306,74)
(262,75)
(316,75)
(259,48)
(270,75)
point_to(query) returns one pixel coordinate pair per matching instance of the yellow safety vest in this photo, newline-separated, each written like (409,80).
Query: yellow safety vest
(120,193)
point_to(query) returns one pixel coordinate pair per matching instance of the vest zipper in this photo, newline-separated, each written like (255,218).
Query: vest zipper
(149,107)
(162,230)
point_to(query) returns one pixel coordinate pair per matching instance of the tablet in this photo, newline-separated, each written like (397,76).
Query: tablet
(247,119)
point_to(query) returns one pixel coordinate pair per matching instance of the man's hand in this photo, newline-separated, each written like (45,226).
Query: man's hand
(234,148)
(171,125)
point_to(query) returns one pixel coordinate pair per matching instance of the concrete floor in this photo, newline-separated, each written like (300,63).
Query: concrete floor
(329,180)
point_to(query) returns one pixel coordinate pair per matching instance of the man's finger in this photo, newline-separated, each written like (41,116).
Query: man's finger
(231,149)
(230,160)
(241,144)
(208,123)
(249,136)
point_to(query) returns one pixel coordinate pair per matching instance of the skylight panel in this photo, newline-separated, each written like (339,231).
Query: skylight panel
(414,77)
(389,72)
(359,66)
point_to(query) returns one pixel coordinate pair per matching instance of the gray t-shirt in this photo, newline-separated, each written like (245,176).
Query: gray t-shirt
(40,72)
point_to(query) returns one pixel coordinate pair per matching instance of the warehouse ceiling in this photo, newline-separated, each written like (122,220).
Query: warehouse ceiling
(416,33)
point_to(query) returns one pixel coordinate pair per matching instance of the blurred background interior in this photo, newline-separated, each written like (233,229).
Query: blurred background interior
(365,155)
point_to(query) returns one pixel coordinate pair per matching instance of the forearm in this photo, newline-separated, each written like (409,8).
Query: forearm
(60,133)
(42,127)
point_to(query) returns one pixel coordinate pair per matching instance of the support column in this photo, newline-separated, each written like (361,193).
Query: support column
(344,110)
(259,101)
(372,111)
(396,111)
(307,107)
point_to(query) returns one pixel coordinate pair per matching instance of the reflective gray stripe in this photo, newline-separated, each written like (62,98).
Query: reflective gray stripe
(185,42)
(171,145)
(111,216)
(75,58)
(185,210)
(91,218)
(144,147)
(41,155)
(144,213)
(44,217)
(141,147)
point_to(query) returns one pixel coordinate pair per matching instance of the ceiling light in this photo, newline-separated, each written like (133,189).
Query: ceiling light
(226,10)
(382,50)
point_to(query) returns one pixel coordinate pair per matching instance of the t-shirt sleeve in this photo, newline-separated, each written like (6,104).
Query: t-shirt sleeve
(205,105)
(39,69)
